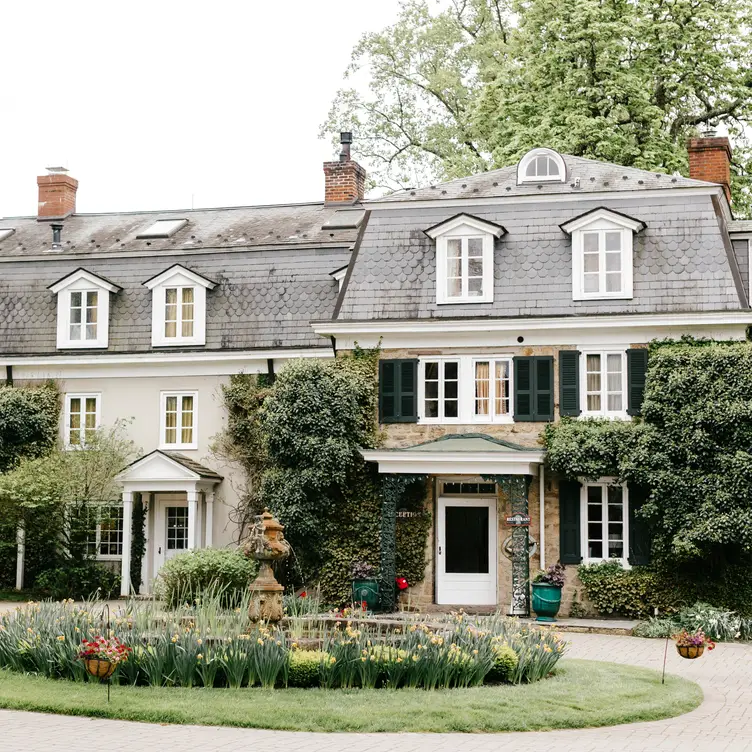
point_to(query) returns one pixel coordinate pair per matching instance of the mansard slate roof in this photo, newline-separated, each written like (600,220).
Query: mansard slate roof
(681,261)
(272,265)
(593,176)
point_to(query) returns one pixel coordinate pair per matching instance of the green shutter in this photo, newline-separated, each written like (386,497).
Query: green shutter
(523,389)
(637,366)
(569,522)
(544,388)
(398,391)
(639,530)
(569,382)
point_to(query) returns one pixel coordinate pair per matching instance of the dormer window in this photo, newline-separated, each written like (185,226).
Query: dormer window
(83,309)
(541,165)
(464,259)
(602,254)
(178,307)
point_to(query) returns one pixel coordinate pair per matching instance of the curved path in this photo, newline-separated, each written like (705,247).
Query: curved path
(722,722)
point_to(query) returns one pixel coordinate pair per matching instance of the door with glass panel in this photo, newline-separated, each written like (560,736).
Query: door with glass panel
(176,533)
(605,522)
(466,551)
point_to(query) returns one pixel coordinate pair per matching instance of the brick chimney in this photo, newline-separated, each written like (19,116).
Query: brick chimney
(57,194)
(345,180)
(710,160)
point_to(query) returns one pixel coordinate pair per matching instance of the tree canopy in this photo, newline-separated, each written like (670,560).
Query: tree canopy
(469,85)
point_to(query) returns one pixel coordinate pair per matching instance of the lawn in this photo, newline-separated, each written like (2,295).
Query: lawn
(583,693)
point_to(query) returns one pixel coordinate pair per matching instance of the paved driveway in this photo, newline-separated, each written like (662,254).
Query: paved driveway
(722,722)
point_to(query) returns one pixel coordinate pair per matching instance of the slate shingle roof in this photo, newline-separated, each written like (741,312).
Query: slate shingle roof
(272,265)
(741,225)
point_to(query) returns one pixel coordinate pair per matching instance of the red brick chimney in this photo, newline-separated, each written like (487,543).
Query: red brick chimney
(345,180)
(57,194)
(710,160)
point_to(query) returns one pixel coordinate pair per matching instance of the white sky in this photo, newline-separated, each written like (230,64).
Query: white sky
(154,104)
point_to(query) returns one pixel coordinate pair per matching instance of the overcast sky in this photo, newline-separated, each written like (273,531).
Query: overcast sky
(153,105)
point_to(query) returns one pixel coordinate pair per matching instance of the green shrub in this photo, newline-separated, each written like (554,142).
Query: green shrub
(186,576)
(89,580)
(634,593)
(505,664)
(656,626)
(304,668)
(717,623)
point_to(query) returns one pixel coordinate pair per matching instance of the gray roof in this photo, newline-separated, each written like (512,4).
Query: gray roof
(466,442)
(272,266)
(680,262)
(593,177)
(192,465)
(740,225)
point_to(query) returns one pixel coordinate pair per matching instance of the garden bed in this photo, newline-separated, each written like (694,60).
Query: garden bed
(580,694)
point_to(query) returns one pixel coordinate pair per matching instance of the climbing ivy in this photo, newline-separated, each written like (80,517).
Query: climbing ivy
(692,449)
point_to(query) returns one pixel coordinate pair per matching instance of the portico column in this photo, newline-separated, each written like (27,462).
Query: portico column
(192,511)
(125,570)
(20,554)
(208,534)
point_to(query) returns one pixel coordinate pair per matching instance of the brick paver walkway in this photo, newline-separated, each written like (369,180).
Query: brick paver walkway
(722,722)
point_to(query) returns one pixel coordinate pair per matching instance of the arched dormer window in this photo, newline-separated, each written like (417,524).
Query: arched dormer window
(541,165)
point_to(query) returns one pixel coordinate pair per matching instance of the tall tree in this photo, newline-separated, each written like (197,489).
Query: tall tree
(476,84)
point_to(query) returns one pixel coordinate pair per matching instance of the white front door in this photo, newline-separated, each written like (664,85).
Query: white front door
(170,528)
(466,552)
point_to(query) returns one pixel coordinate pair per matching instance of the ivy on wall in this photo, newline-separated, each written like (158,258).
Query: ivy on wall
(693,450)
(298,440)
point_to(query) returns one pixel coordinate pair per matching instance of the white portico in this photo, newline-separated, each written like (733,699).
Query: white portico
(178,498)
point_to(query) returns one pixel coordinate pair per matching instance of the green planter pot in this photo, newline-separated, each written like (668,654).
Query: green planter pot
(546,601)
(368,591)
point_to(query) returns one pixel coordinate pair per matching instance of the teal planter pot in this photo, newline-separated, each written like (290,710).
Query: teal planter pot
(546,601)
(368,591)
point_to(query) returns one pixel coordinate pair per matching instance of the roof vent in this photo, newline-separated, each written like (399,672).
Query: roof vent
(57,230)
(162,228)
(6,232)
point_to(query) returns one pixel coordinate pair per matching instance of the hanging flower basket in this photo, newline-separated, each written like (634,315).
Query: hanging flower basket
(692,644)
(99,669)
(101,656)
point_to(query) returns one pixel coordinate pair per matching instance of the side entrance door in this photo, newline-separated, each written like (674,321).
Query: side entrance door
(466,552)
(170,528)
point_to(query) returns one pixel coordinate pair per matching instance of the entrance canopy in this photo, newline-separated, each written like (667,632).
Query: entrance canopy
(459,454)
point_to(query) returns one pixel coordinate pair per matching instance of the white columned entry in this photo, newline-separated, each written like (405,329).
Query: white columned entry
(20,554)
(125,572)
(192,512)
(209,533)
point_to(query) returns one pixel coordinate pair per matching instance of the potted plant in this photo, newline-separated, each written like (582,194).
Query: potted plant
(101,656)
(692,644)
(365,586)
(547,587)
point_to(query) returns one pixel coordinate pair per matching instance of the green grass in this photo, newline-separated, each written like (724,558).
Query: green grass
(583,693)
(21,596)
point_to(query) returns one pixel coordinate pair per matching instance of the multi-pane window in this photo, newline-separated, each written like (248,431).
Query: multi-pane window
(602,261)
(83,315)
(451,488)
(604,383)
(441,389)
(179,420)
(105,535)
(464,268)
(82,418)
(542,166)
(604,522)
(179,312)
(492,382)
(177,528)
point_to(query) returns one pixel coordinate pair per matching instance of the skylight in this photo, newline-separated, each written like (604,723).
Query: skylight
(6,232)
(163,228)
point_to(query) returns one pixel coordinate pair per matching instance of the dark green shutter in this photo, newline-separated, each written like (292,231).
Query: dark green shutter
(639,530)
(534,388)
(523,389)
(637,366)
(569,522)
(569,382)
(398,391)
(544,388)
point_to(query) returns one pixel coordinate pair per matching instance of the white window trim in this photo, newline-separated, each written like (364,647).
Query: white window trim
(533,154)
(603,483)
(603,412)
(83,282)
(178,276)
(83,396)
(98,539)
(464,227)
(466,390)
(489,419)
(163,422)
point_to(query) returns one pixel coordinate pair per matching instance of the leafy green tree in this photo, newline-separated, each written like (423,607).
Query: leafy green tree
(480,82)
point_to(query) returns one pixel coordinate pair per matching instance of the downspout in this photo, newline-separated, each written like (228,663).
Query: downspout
(542,518)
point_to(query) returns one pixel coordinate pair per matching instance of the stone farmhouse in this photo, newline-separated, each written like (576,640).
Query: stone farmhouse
(500,301)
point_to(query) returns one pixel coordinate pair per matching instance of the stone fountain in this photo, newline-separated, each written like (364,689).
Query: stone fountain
(266,544)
